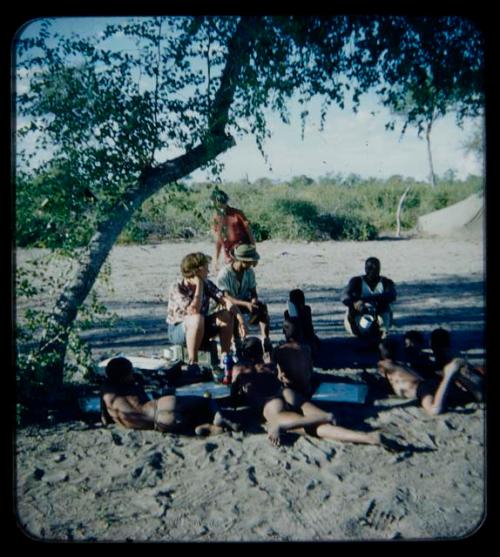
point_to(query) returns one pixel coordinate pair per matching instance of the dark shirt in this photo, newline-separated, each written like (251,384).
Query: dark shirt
(353,293)
(305,324)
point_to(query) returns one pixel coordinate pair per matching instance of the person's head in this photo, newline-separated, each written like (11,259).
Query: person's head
(440,340)
(297,297)
(372,268)
(292,330)
(387,349)
(219,198)
(245,255)
(195,264)
(414,339)
(252,350)
(119,370)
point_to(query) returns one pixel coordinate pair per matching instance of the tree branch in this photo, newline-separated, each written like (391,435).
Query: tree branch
(239,49)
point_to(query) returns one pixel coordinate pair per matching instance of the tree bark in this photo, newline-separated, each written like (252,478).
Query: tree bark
(216,141)
(398,212)
(432,176)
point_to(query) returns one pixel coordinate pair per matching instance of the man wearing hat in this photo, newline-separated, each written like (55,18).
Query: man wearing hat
(237,279)
(230,227)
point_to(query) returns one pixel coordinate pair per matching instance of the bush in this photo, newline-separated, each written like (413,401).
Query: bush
(347,227)
(342,208)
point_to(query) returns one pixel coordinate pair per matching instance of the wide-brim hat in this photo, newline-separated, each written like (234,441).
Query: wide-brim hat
(245,252)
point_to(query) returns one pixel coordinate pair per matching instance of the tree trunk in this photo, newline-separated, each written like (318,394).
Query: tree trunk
(91,260)
(398,212)
(54,342)
(432,176)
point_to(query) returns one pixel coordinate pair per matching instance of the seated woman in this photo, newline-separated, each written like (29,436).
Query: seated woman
(188,318)
(125,402)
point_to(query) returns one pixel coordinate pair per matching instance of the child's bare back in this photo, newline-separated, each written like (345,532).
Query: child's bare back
(295,367)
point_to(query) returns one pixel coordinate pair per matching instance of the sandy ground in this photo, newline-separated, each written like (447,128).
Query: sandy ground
(80,481)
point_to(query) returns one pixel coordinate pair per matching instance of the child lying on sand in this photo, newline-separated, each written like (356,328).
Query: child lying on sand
(126,403)
(256,384)
(432,394)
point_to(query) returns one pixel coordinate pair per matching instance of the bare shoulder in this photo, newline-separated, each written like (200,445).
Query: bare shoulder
(393,369)
(286,348)
(123,403)
(108,398)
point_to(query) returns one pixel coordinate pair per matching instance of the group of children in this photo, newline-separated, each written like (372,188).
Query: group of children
(278,382)
(279,388)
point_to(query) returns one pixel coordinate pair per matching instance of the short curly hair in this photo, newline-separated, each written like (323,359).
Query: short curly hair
(118,368)
(192,262)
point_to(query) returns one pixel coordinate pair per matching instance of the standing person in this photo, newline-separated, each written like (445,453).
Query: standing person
(188,319)
(125,402)
(230,227)
(368,299)
(283,409)
(237,278)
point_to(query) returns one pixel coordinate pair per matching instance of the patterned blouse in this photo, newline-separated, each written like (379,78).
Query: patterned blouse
(181,295)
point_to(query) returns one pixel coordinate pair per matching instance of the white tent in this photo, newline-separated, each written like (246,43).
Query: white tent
(465,218)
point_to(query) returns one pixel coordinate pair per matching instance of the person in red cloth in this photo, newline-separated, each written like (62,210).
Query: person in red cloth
(230,227)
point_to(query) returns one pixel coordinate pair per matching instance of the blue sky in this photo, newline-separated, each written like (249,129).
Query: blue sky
(350,142)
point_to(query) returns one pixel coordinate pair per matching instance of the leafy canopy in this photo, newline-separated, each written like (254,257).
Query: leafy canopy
(95,113)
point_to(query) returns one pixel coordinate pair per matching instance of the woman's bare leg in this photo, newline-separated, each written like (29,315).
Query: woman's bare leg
(225,324)
(195,329)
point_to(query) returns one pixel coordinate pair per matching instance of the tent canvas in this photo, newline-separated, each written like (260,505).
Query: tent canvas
(465,218)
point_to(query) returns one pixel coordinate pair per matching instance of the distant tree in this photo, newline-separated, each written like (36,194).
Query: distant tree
(126,122)
(475,143)
(301,181)
(404,109)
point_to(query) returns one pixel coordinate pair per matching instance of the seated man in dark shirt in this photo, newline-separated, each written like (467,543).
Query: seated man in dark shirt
(368,299)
